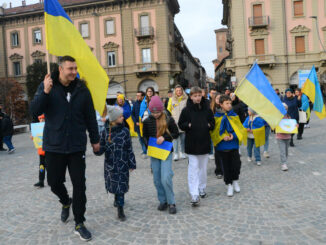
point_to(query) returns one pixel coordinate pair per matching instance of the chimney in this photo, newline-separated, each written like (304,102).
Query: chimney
(10,5)
(23,3)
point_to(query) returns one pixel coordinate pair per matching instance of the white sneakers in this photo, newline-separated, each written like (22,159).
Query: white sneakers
(284,167)
(230,190)
(258,163)
(266,155)
(182,155)
(175,157)
(211,157)
(249,159)
(236,186)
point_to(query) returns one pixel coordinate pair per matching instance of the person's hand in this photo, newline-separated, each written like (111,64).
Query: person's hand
(137,123)
(208,125)
(189,125)
(231,137)
(96,147)
(48,83)
(226,138)
(130,170)
(159,140)
(248,129)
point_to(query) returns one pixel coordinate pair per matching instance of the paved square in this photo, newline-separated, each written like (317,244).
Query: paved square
(274,207)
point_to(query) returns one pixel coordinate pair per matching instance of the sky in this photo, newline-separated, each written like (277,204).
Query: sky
(196,23)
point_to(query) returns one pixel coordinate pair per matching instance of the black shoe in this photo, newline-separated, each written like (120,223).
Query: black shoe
(291,144)
(202,194)
(219,176)
(3,149)
(299,137)
(172,209)
(121,214)
(82,232)
(39,184)
(65,211)
(195,201)
(115,204)
(162,207)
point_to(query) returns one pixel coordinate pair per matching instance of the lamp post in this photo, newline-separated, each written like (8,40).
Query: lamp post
(317,29)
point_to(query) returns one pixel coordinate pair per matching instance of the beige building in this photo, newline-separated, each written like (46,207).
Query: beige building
(279,34)
(133,40)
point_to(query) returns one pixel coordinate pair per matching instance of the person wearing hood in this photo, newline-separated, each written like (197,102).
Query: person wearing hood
(293,103)
(177,102)
(7,129)
(197,120)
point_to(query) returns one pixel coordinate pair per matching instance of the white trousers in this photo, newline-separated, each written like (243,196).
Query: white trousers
(197,173)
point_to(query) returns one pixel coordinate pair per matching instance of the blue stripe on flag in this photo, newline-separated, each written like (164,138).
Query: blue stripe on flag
(166,145)
(54,8)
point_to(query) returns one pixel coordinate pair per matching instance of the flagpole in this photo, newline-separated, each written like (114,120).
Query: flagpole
(48,62)
(46,46)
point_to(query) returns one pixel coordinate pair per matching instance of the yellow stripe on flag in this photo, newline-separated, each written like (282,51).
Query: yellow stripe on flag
(158,153)
(259,135)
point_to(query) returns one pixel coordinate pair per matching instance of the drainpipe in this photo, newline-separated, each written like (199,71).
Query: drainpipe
(123,52)
(286,41)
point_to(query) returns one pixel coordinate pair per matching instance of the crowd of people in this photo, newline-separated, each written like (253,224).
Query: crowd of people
(200,125)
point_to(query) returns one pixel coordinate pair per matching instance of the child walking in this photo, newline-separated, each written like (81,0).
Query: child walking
(42,168)
(119,158)
(256,135)
(197,120)
(159,125)
(226,135)
(283,141)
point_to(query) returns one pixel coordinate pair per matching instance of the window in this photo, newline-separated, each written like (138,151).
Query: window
(144,21)
(259,46)
(110,27)
(38,61)
(299,45)
(111,59)
(298,8)
(84,30)
(14,39)
(17,71)
(37,36)
(258,14)
(146,52)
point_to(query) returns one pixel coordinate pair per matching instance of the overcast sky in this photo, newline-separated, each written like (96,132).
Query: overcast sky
(196,21)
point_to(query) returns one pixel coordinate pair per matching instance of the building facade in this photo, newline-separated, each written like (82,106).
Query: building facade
(133,40)
(284,36)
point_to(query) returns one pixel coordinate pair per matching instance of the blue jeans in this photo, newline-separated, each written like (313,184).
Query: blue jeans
(141,141)
(162,174)
(250,145)
(7,141)
(267,132)
(179,143)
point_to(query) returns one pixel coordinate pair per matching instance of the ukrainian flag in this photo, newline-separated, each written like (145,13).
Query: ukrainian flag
(62,38)
(258,129)
(161,151)
(311,88)
(256,91)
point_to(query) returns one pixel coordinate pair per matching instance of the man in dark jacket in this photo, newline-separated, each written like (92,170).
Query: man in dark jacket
(7,130)
(68,108)
(135,117)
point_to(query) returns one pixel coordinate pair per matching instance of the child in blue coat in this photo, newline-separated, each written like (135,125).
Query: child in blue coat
(119,158)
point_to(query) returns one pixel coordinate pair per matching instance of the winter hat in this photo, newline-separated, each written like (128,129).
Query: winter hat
(114,112)
(288,90)
(121,96)
(155,104)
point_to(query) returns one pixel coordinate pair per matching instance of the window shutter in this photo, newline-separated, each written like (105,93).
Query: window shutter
(298,8)
(299,45)
(259,46)
(258,14)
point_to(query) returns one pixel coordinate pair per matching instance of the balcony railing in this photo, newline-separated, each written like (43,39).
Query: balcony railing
(152,68)
(260,21)
(144,31)
(265,59)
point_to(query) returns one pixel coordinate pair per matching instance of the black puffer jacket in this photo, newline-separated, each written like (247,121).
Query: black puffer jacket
(66,122)
(149,129)
(7,127)
(201,118)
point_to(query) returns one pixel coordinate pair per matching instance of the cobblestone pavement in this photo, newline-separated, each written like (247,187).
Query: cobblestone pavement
(274,207)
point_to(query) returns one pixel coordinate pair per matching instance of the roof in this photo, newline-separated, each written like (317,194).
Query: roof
(221,30)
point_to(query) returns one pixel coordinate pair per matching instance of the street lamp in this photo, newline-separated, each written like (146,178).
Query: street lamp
(317,29)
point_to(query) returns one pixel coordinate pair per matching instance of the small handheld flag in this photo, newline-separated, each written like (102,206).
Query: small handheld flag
(161,151)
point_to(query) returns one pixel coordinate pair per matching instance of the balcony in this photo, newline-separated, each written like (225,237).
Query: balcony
(258,22)
(263,60)
(147,68)
(143,32)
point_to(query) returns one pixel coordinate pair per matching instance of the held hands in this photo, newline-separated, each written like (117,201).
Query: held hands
(48,83)
(96,147)
(228,138)
(159,140)
(137,123)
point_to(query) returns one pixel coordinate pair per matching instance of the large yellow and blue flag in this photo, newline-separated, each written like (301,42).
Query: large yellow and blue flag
(311,88)
(62,38)
(256,91)
(161,151)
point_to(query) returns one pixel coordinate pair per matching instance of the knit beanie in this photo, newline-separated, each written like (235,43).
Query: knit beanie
(288,90)
(155,104)
(114,112)
(121,96)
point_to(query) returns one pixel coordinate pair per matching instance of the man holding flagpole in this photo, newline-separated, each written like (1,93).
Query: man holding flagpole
(69,112)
